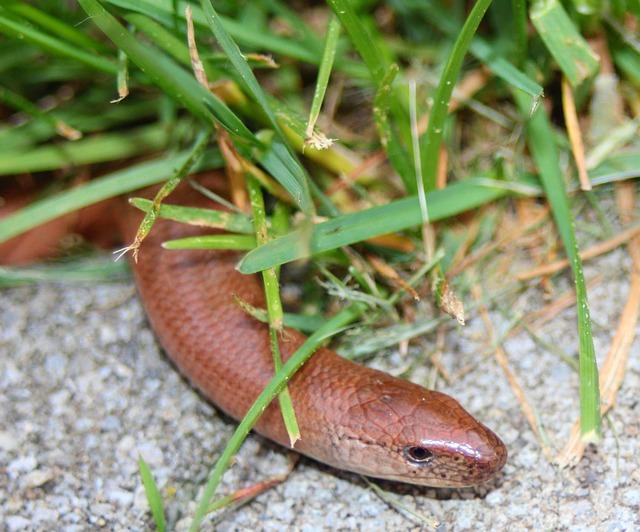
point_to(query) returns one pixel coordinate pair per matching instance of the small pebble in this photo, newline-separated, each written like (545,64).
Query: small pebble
(37,478)
(69,444)
(8,442)
(17,522)
(22,464)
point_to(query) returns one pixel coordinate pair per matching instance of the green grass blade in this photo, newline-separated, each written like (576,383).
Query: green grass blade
(331,326)
(432,139)
(95,149)
(360,37)
(274,306)
(359,226)
(324,72)
(503,69)
(55,46)
(120,182)
(519,10)
(153,495)
(230,241)
(163,11)
(77,271)
(171,78)
(301,192)
(150,216)
(229,221)
(161,37)
(19,102)
(389,138)
(616,168)
(484,51)
(69,34)
(542,144)
(564,42)
(628,62)
(236,58)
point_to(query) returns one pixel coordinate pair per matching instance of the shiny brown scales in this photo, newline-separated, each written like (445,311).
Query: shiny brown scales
(350,416)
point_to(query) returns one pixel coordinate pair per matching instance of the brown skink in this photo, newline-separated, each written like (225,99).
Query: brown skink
(350,417)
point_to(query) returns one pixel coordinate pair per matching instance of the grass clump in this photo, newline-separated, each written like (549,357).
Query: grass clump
(404,98)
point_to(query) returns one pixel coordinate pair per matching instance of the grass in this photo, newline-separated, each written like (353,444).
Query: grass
(480,148)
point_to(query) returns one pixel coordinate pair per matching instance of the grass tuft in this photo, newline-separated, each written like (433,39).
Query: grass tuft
(513,135)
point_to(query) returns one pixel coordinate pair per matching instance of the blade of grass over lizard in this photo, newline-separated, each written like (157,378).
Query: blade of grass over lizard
(120,182)
(228,221)
(195,155)
(356,227)
(274,305)
(276,384)
(79,271)
(302,322)
(230,241)
(542,144)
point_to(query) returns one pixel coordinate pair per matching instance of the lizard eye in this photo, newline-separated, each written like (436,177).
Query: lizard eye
(418,455)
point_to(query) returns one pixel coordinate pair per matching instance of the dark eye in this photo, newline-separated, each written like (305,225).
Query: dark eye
(418,455)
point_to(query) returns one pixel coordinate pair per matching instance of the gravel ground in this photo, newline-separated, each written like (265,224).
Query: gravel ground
(84,389)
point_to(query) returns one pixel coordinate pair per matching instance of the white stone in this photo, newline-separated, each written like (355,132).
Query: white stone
(119,496)
(17,522)
(8,442)
(151,453)
(37,478)
(23,464)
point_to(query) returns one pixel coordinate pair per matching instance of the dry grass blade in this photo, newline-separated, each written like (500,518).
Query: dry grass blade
(430,522)
(539,317)
(491,246)
(196,62)
(244,495)
(589,253)
(502,360)
(575,135)
(392,275)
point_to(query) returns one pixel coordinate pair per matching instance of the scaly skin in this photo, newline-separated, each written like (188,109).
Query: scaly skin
(350,417)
